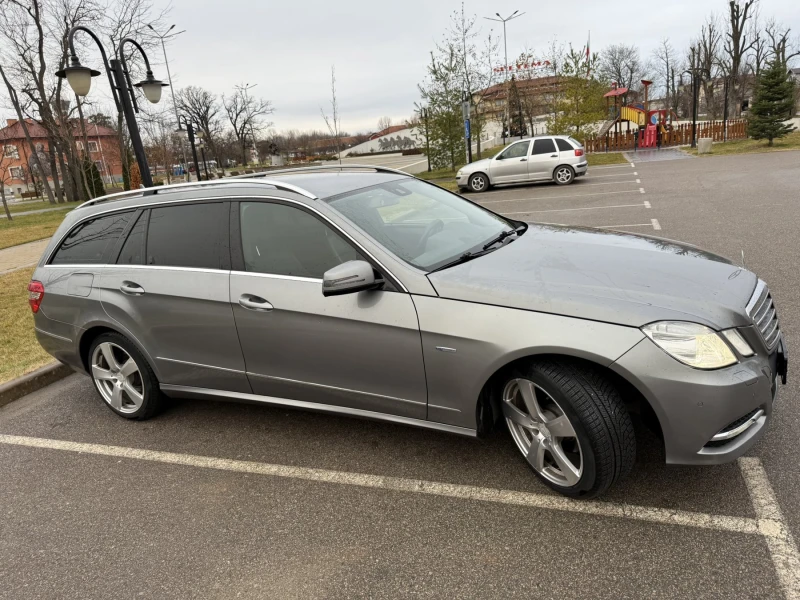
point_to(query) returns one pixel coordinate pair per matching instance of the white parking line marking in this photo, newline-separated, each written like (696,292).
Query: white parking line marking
(620,226)
(608,167)
(611,175)
(656,224)
(556,197)
(587,184)
(769,521)
(408,165)
(773,527)
(647,204)
(638,181)
(641,190)
(633,165)
(530,212)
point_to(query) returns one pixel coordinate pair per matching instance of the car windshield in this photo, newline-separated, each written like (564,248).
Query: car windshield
(420,223)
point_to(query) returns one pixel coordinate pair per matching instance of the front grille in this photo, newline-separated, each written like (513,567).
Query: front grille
(761,309)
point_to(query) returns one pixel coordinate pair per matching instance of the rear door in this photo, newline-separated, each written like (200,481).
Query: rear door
(511,164)
(360,350)
(543,159)
(169,288)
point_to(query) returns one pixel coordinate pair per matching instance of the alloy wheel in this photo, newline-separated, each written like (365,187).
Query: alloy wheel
(564,175)
(117,377)
(478,183)
(543,432)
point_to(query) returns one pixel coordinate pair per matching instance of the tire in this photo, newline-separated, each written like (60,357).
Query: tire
(564,175)
(581,440)
(478,182)
(130,389)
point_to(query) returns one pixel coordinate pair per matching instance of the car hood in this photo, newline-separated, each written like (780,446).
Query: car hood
(606,276)
(478,165)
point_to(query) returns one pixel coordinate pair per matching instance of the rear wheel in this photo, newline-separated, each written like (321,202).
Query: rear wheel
(478,182)
(564,175)
(123,378)
(571,425)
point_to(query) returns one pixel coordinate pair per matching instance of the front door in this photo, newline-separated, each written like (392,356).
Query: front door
(511,164)
(543,159)
(360,350)
(169,288)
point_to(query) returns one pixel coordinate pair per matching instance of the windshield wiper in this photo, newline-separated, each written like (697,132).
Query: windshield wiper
(503,235)
(461,259)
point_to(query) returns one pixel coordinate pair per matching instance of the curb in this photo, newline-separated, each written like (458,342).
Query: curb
(22,386)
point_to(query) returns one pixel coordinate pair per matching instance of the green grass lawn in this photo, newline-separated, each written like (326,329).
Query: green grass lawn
(30,228)
(748,146)
(26,206)
(605,158)
(20,353)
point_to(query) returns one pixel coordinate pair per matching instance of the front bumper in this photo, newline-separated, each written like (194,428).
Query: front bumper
(693,405)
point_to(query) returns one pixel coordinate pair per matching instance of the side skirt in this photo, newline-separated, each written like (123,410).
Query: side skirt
(182,391)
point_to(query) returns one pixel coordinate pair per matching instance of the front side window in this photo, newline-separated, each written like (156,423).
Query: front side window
(88,242)
(543,146)
(10,151)
(17,173)
(92,146)
(518,150)
(187,236)
(419,223)
(284,240)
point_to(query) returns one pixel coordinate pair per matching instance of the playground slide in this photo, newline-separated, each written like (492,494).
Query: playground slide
(633,114)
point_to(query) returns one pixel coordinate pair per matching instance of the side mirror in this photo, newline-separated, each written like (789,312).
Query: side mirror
(348,278)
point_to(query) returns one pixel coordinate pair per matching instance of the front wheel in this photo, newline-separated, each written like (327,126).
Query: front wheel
(564,175)
(571,425)
(478,182)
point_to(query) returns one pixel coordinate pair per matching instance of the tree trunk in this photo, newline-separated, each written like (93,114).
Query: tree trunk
(66,192)
(54,170)
(5,204)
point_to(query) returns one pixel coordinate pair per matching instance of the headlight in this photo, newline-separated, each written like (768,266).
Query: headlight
(738,342)
(459,174)
(692,344)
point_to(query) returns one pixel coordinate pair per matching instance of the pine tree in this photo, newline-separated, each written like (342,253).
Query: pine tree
(442,93)
(93,179)
(773,104)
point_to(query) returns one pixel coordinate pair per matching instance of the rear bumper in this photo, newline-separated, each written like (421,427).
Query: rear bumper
(581,169)
(693,406)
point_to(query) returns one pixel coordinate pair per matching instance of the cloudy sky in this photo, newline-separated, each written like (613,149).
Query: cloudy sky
(380,49)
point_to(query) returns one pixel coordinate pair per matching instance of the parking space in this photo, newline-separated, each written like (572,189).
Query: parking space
(220,500)
(415,163)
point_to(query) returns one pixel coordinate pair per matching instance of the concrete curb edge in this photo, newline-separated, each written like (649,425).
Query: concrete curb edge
(36,380)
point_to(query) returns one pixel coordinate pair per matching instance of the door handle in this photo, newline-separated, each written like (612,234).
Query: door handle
(554,156)
(523,160)
(251,302)
(131,289)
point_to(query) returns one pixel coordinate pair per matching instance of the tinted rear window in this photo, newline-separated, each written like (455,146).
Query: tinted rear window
(543,146)
(187,236)
(564,145)
(132,252)
(88,242)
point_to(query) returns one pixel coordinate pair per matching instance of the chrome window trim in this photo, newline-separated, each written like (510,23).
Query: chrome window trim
(338,389)
(271,276)
(155,267)
(251,197)
(193,364)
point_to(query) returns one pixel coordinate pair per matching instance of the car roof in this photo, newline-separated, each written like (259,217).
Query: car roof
(311,183)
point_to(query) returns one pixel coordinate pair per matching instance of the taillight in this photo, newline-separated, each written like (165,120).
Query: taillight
(35,295)
(579,152)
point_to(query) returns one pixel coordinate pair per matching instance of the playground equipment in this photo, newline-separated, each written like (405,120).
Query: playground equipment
(649,122)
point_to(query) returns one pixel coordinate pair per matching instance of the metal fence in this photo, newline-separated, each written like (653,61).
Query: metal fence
(677,135)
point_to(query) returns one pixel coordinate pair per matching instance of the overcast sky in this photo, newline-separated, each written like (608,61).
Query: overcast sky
(380,49)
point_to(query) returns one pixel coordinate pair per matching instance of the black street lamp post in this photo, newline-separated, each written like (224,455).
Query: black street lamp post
(427,139)
(80,80)
(202,145)
(190,132)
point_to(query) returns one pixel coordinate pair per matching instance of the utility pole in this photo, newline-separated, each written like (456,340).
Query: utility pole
(168,36)
(695,90)
(502,20)
(427,138)
(467,133)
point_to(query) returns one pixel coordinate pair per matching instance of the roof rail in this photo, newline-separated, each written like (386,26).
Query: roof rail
(335,167)
(152,191)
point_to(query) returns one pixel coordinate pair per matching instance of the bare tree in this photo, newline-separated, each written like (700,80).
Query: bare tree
(737,44)
(204,108)
(665,62)
(384,123)
(621,63)
(782,47)
(708,48)
(332,122)
(5,179)
(246,116)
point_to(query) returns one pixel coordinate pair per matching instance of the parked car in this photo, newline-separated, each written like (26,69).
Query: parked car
(556,158)
(364,291)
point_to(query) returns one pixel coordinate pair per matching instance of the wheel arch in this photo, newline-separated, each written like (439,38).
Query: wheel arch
(558,166)
(484,172)
(92,332)
(489,413)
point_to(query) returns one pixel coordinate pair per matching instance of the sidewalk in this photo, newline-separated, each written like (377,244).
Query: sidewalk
(19,257)
(34,212)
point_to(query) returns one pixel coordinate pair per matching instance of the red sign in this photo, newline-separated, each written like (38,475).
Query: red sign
(523,66)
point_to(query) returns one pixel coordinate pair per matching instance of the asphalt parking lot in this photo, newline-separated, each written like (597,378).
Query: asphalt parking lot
(217,500)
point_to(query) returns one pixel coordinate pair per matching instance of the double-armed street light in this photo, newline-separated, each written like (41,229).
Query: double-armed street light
(80,80)
(201,144)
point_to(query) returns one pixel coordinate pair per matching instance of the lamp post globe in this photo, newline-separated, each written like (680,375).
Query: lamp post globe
(78,76)
(151,88)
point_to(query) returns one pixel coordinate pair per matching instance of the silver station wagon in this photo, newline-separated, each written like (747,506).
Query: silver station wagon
(364,291)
